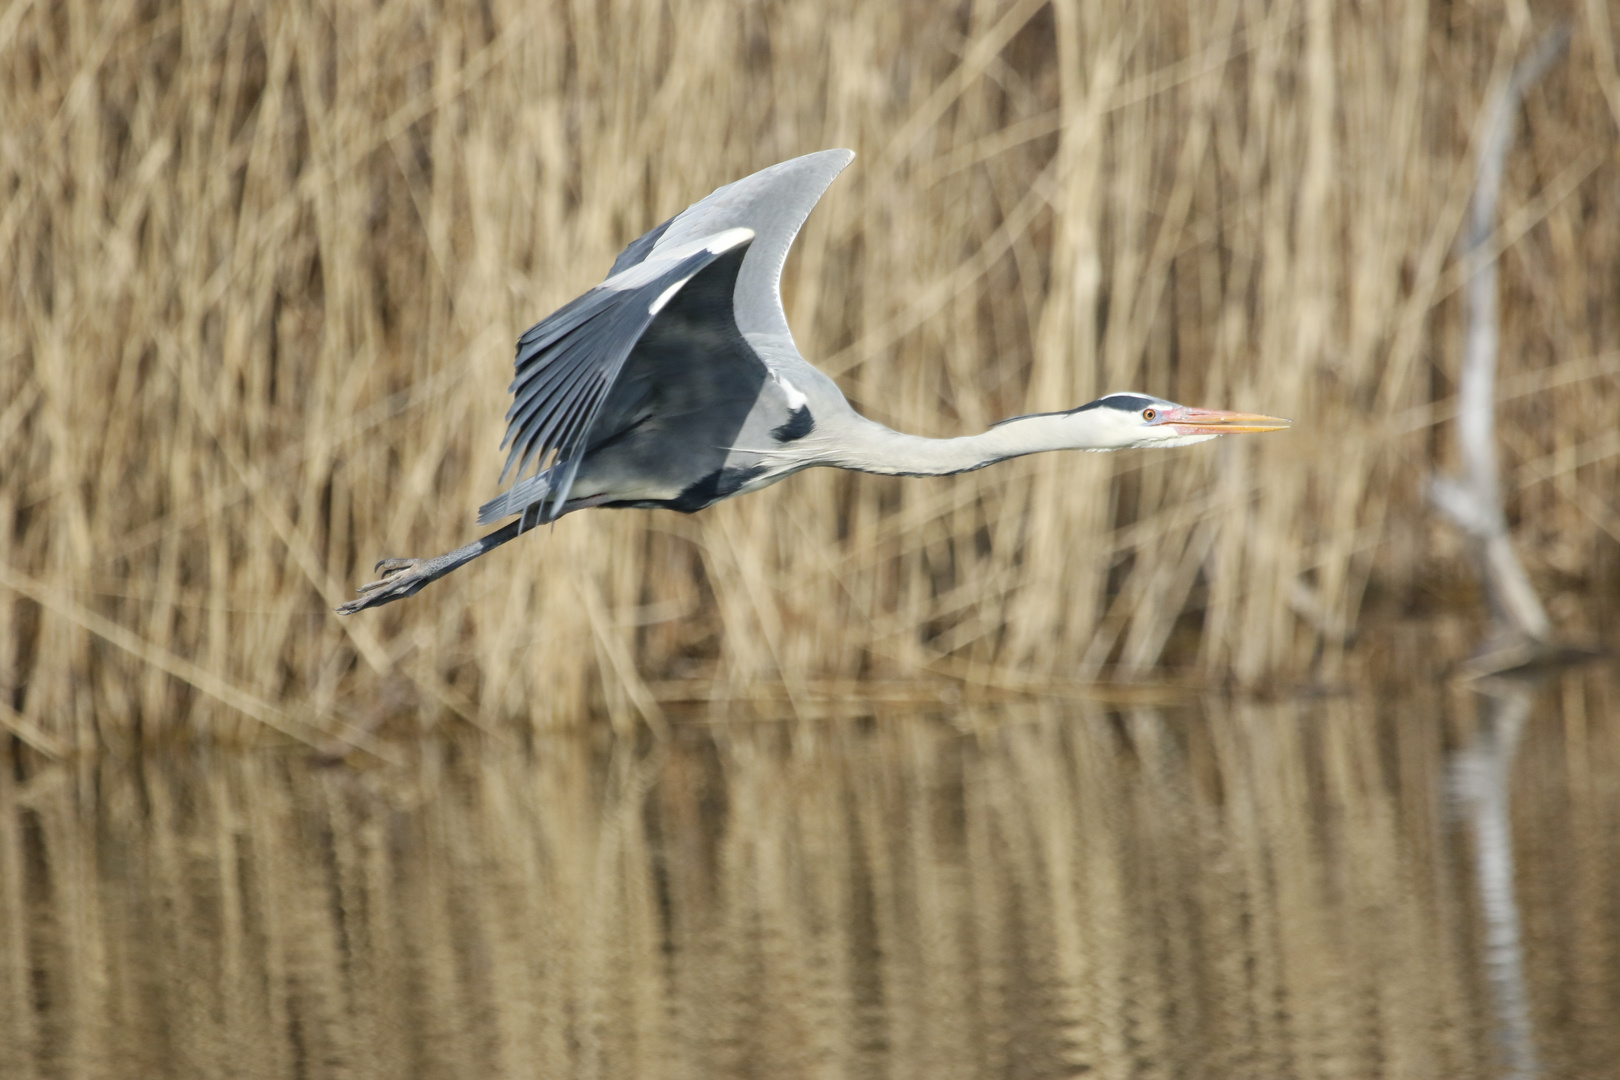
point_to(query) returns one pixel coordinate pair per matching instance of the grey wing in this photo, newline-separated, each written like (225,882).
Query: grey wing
(774,203)
(568,362)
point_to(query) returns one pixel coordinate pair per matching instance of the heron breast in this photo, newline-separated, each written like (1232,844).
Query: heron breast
(719,484)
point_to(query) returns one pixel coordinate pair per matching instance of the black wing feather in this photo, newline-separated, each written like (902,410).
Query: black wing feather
(638,249)
(548,405)
(567,364)
(537,388)
(556,326)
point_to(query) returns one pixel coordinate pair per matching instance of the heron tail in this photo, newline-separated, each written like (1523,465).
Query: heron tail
(516,499)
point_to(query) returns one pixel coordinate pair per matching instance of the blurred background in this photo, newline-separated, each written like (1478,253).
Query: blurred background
(262,267)
(1148,765)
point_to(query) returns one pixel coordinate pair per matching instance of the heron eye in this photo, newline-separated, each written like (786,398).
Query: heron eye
(1148,414)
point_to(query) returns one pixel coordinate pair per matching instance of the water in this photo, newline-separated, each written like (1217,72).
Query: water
(1420,886)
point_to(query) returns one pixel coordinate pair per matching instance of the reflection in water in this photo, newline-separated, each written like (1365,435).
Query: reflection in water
(1482,774)
(1049,890)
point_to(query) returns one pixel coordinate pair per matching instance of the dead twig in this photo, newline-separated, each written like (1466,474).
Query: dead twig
(1473,502)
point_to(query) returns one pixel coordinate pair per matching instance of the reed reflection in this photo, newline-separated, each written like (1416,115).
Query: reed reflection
(1238,891)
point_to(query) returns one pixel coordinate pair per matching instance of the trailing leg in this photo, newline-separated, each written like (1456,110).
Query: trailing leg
(406,577)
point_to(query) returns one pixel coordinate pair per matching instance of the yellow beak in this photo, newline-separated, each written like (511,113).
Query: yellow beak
(1217,422)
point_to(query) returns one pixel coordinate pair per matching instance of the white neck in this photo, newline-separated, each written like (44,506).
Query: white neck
(867,446)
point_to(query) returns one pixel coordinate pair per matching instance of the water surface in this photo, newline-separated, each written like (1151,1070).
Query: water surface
(1053,889)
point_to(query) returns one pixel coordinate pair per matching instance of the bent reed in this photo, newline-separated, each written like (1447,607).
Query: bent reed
(263,267)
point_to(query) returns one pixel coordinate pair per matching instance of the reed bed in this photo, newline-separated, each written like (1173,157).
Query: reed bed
(261,267)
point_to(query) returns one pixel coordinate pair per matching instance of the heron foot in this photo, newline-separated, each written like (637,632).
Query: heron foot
(406,577)
(400,578)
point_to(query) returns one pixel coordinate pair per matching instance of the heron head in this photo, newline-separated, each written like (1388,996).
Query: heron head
(1137,420)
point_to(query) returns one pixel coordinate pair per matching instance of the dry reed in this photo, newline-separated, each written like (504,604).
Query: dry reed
(261,267)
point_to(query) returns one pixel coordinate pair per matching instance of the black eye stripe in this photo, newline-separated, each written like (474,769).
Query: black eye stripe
(1123,402)
(1128,403)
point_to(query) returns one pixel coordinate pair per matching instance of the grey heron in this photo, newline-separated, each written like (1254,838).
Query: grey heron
(675,383)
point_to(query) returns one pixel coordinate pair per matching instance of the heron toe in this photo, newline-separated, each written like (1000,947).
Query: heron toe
(399,578)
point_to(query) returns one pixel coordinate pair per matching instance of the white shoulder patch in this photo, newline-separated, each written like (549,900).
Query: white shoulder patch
(659,261)
(665,296)
(730,238)
(721,241)
(795,397)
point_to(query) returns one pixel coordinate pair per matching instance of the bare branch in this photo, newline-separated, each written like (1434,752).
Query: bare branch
(1474,503)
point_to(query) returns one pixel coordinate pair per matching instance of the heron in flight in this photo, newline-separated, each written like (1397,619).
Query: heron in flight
(675,383)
